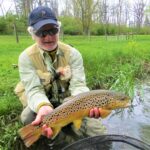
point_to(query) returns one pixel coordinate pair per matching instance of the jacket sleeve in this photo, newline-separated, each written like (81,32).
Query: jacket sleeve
(34,90)
(78,81)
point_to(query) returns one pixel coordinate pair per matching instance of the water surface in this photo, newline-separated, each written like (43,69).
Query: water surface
(133,122)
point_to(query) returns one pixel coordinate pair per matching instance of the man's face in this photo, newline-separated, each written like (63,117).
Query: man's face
(47,37)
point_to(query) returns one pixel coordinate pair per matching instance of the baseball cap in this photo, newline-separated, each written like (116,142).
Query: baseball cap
(41,16)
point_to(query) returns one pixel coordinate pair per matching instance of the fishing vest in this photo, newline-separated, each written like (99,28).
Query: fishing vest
(57,89)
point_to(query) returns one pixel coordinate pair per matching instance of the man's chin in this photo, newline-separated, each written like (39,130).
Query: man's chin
(51,48)
(48,50)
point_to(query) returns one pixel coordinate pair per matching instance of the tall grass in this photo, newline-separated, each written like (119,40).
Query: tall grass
(115,64)
(109,64)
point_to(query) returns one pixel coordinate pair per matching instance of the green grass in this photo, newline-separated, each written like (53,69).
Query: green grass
(109,64)
(113,63)
(9,52)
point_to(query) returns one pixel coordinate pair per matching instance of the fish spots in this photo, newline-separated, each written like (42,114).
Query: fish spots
(85,101)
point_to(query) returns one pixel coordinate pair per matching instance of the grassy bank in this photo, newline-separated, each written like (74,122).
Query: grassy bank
(109,64)
(112,63)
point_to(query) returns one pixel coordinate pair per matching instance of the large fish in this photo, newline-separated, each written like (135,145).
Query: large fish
(74,110)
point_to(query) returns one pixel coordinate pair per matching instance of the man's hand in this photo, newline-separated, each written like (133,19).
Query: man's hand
(44,110)
(64,72)
(95,112)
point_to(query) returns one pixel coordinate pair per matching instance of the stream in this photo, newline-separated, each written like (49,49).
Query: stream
(133,122)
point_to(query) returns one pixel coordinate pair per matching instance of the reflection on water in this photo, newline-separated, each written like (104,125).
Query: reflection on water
(133,122)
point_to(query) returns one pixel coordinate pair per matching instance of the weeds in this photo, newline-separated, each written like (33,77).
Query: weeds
(108,64)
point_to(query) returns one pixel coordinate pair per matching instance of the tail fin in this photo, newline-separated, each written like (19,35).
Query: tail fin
(30,134)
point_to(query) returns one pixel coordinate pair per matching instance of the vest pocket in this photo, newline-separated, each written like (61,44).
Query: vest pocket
(45,77)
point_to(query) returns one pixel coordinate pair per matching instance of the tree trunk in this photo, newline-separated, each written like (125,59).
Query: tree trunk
(16,33)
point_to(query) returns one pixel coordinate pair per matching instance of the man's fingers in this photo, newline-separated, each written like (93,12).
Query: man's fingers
(91,114)
(96,113)
(37,120)
(46,131)
(49,132)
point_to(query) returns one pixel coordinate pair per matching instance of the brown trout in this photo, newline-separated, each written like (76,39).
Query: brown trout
(74,110)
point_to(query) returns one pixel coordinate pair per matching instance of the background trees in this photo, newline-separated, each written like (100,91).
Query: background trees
(99,17)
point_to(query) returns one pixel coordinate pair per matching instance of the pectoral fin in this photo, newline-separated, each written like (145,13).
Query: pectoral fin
(77,123)
(56,130)
(104,112)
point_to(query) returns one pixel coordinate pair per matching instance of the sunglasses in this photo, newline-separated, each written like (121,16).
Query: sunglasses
(44,33)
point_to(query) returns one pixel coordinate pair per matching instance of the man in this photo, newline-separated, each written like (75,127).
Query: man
(50,71)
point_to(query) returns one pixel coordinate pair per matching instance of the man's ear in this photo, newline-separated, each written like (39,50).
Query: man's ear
(31,32)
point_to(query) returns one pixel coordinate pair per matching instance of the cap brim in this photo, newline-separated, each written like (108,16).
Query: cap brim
(39,24)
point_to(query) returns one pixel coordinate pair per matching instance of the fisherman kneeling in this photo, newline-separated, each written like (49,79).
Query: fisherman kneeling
(51,71)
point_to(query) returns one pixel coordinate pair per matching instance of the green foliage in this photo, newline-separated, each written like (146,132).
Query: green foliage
(109,64)
(124,81)
(9,75)
(71,26)
(2,25)
(144,30)
(113,64)
(97,29)
(7,24)
(111,29)
(9,127)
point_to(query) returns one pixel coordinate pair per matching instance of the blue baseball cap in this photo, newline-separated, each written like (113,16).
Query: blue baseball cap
(41,16)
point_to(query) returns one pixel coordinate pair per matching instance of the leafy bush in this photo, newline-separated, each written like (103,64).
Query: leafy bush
(2,25)
(71,26)
(144,30)
(97,29)
(7,24)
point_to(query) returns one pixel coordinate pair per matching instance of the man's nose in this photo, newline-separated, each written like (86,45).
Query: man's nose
(48,36)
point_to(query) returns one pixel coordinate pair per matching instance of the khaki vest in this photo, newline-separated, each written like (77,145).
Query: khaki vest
(45,76)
